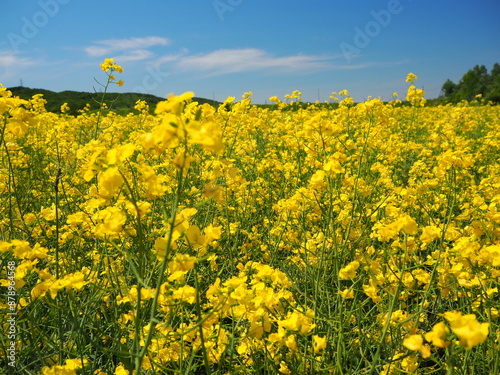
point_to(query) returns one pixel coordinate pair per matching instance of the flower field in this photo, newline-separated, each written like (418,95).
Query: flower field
(363,239)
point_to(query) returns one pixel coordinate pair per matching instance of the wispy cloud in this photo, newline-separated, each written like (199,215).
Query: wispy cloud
(221,61)
(11,63)
(129,49)
(370,64)
(225,61)
(10,59)
(169,58)
(135,55)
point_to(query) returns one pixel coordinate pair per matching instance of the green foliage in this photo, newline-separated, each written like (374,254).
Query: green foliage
(122,103)
(477,81)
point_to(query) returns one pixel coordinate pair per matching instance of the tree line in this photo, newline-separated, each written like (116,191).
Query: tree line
(121,103)
(477,81)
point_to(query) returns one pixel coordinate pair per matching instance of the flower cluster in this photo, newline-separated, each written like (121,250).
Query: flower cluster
(243,239)
(109,66)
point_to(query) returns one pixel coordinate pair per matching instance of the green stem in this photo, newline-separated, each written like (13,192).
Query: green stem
(200,319)
(99,113)
(12,185)
(163,266)
(58,298)
(376,357)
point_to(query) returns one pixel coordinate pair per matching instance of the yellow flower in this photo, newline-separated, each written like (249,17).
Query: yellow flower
(161,245)
(110,65)
(40,289)
(110,221)
(70,368)
(133,295)
(347,293)
(120,153)
(107,64)
(371,291)
(110,182)
(333,166)
(174,104)
(194,237)
(410,364)
(180,265)
(71,281)
(183,160)
(206,134)
(349,271)
(416,342)
(48,213)
(407,224)
(317,180)
(492,253)
(319,343)
(212,233)
(120,370)
(411,77)
(437,335)
(185,293)
(429,234)
(297,321)
(64,108)
(284,368)
(467,328)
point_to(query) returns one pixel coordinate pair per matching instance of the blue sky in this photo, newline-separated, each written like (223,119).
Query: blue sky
(221,48)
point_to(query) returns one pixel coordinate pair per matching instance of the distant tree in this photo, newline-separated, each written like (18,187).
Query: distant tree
(449,88)
(494,84)
(476,81)
(77,100)
(473,82)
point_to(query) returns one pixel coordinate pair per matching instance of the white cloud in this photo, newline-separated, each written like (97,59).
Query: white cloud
(9,59)
(221,61)
(134,55)
(226,61)
(369,64)
(112,46)
(169,58)
(11,63)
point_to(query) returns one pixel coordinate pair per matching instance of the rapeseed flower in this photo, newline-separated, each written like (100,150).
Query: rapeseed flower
(319,343)
(416,342)
(297,321)
(349,271)
(180,265)
(109,65)
(438,335)
(467,328)
(401,201)
(121,370)
(70,368)
(174,104)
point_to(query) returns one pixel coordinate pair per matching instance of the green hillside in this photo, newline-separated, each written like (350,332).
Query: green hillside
(122,103)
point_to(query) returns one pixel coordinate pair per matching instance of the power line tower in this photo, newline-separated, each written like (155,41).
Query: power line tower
(21,82)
